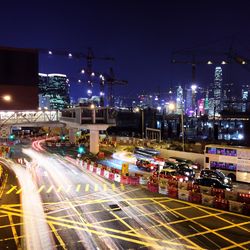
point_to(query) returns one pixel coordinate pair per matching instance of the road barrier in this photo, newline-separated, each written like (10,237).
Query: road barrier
(237,201)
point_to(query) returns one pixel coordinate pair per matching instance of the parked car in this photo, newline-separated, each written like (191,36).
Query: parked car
(212,182)
(180,160)
(172,174)
(182,169)
(209,173)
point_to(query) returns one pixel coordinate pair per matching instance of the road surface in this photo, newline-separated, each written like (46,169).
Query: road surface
(85,211)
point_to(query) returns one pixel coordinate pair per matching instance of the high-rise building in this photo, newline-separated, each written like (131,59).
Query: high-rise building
(189,110)
(55,87)
(211,107)
(244,97)
(217,90)
(179,100)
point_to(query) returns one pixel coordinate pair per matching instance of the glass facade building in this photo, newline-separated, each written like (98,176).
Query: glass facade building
(54,87)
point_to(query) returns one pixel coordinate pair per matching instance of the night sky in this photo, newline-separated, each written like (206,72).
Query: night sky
(140,35)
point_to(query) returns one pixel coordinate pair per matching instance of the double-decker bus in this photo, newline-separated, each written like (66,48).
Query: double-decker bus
(234,162)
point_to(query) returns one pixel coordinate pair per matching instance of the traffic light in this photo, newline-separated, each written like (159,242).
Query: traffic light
(12,137)
(81,150)
(63,137)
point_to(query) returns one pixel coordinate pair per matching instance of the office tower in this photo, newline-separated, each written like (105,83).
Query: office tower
(179,100)
(189,110)
(217,90)
(211,107)
(55,87)
(244,97)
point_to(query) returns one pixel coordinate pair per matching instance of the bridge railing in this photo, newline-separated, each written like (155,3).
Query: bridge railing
(88,115)
(28,117)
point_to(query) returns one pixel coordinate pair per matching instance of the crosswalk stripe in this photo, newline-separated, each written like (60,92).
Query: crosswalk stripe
(86,187)
(49,190)
(40,189)
(59,189)
(19,191)
(78,187)
(11,190)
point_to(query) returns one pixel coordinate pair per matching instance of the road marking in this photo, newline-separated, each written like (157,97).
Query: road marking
(14,232)
(19,191)
(105,187)
(122,187)
(40,189)
(3,185)
(172,229)
(59,189)
(11,190)
(219,247)
(78,187)
(87,187)
(96,188)
(208,230)
(113,186)
(62,244)
(49,190)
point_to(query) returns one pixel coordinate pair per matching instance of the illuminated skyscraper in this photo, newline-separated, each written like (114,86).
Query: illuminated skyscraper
(55,87)
(179,100)
(217,90)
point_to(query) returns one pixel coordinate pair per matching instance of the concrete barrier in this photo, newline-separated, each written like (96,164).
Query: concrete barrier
(207,200)
(183,194)
(231,195)
(235,206)
(205,190)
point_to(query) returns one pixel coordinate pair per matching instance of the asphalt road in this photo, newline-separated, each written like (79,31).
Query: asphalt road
(10,224)
(85,211)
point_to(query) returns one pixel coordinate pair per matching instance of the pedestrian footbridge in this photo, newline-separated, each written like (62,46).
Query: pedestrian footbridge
(93,118)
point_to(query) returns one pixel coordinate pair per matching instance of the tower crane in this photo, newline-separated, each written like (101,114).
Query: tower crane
(227,57)
(88,70)
(110,81)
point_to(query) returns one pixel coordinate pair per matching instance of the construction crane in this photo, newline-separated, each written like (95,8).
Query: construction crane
(110,81)
(226,57)
(88,70)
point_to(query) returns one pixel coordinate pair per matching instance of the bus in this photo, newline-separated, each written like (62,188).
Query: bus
(148,152)
(233,161)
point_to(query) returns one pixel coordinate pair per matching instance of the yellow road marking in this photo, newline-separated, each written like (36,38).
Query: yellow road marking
(14,232)
(62,244)
(172,230)
(220,218)
(3,185)
(78,187)
(81,226)
(241,244)
(122,187)
(59,189)
(40,189)
(49,190)
(19,191)
(104,187)
(11,190)
(208,230)
(113,186)
(87,187)
(96,187)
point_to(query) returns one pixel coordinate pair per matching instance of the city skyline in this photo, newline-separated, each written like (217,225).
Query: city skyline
(140,36)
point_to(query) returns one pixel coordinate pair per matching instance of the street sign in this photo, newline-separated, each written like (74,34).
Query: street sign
(125,169)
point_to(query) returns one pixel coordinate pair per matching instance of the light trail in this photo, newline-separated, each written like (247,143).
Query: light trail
(35,227)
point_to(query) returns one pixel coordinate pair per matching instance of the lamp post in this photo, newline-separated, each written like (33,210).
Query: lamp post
(182,129)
